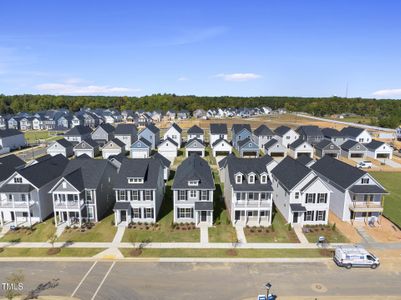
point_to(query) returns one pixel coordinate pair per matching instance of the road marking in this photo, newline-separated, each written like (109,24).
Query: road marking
(103,280)
(83,279)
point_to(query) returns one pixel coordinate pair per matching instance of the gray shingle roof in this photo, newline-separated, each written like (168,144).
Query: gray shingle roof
(169,140)
(236,128)
(218,141)
(367,189)
(16,188)
(332,133)
(350,144)
(218,128)
(153,128)
(78,131)
(107,127)
(247,166)
(145,142)
(9,132)
(263,130)
(194,168)
(117,142)
(325,144)
(204,205)
(280,131)
(304,159)
(337,171)
(195,130)
(309,130)
(64,143)
(352,131)
(270,143)
(242,143)
(164,161)
(290,172)
(176,127)
(122,205)
(374,144)
(297,143)
(8,165)
(191,141)
(125,129)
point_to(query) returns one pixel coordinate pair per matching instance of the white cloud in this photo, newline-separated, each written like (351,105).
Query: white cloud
(72,88)
(238,76)
(183,78)
(388,93)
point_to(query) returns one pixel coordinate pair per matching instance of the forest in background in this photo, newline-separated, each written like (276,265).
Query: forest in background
(386,113)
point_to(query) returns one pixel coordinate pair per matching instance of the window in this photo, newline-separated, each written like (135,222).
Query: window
(136,213)
(256,196)
(91,213)
(148,195)
(320,215)
(23,197)
(122,195)
(263,196)
(250,196)
(238,179)
(263,178)
(192,194)
(321,198)
(64,185)
(251,179)
(185,213)
(365,180)
(88,196)
(149,213)
(133,180)
(204,195)
(182,195)
(296,195)
(134,195)
(193,183)
(310,198)
(308,215)
(17,180)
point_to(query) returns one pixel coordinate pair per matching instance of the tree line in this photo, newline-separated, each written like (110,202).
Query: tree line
(385,113)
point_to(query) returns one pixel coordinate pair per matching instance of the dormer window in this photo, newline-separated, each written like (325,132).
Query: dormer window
(365,180)
(238,179)
(251,178)
(17,180)
(135,180)
(263,178)
(193,182)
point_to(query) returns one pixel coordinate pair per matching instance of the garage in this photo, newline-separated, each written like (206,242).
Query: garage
(357,155)
(277,154)
(222,153)
(249,154)
(309,154)
(352,149)
(383,155)
(331,154)
(200,153)
(221,147)
(195,146)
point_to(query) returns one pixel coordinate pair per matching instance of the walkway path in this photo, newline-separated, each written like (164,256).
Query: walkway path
(365,236)
(60,229)
(113,252)
(4,231)
(240,234)
(204,234)
(300,235)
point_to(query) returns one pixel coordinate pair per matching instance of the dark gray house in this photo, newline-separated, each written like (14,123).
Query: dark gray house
(312,134)
(103,133)
(334,136)
(262,135)
(352,149)
(327,147)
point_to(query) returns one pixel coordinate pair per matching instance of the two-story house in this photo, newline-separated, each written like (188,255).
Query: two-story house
(24,194)
(193,189)
(357,196)
(240,132)
(299,194)
(195,132)
(151,133)
(357,134)
(103,133)
(8,164)
(78,133)
(126,133)
(217,131)
(248,190)
(174,133)
(310,133)
(139,191)
(262,135)
(335,136)
(12,139)
(62,146)
(285,135)
(84,193)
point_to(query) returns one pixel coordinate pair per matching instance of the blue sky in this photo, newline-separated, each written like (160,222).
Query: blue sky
(239,48)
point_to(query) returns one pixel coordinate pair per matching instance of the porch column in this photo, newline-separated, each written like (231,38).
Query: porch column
(258,216)
(15,218)
(68,218)
(29,218)
(80,219)
(115,218)
(1,219)
(55,218)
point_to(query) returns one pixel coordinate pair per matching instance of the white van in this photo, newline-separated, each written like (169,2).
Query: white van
(355,256)
(366,164)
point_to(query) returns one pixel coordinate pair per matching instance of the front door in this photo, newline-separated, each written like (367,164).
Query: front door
(203,216)
(123,215)
(237,215)
(12,216)
(295,218)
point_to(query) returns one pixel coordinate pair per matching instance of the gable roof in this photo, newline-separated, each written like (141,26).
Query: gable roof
(176,127)
(164,161)
(270,143)
(248,140)
(194,168)
(237,128)
(78,130)
(304,159)
(146,168)
(337,171)
(332,133)
(263,130)
(195,130)
(290,172)
(152,128)
(374,144)
(115,141)
(194,140)
(281,130)
(125,129)
(325,144)
(106,127)
(168,139)
(8,164)
(309,130)
(64,143)
(352,131)
(144,143)
(350,144)
(89,142)
(297,143)
(218,141)
(9,132)
(44,171)
(218,128)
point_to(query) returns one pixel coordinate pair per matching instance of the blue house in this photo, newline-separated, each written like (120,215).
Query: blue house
(141,148)
(152,134)
(240,132)
(248,148)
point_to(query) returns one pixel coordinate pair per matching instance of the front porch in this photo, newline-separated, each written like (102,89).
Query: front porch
(252,218)
(203,213)
(68,217)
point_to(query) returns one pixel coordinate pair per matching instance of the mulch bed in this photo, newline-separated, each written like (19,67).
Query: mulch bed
(53,251)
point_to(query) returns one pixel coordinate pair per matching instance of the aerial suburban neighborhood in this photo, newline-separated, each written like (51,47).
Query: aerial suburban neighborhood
(200,150)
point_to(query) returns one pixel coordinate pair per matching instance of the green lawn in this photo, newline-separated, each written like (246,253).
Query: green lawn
(32,136)
(103,231)
(164,232)
(392,202)
(247,253)
(331,235)
(276,233)
(42,252)
(39,233)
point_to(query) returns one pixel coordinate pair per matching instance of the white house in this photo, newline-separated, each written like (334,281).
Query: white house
(174,133)
(221,147)
(275,149)
(113,148)
(168,148)
(352,149)
(378,149)
(217,131)
(300,147)
(285,135)
(195,132)
(262,135)
(88,147)
(299,194)
(356,134)
(62,147)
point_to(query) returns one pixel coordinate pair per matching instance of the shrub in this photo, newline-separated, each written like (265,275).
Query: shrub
(289,227)
(334,227)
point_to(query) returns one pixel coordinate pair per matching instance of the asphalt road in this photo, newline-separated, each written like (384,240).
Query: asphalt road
(30,154)
(155,280)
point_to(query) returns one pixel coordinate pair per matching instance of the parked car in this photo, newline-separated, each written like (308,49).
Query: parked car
(355,256)
(366,164)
